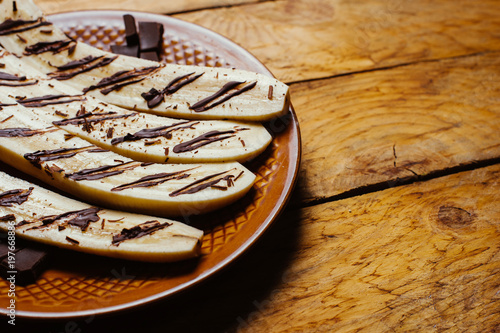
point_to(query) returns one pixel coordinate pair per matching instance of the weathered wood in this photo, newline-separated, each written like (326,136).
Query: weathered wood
(152,6)
(377,127)
(309,39)
(423,257)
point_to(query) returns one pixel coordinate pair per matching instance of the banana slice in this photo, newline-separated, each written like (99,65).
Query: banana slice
(38,214)
(171,90)
(106,178)
(140,136)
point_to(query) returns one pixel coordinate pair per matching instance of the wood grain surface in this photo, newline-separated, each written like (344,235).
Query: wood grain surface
(384,126)
(394,224)
(311,39)
(151,6)
(421,257)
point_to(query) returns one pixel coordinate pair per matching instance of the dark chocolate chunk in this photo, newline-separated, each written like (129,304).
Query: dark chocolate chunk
(151,36)
(150,55)
(19,264)
(126,49)
(28,265)
(131,35)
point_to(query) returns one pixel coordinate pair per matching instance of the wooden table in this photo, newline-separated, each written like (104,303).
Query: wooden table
(394,224)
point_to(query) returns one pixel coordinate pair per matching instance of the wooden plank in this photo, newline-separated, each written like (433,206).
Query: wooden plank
(423,257)
(309,39)
(377,127)
(153,6)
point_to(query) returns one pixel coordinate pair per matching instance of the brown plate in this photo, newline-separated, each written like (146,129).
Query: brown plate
(77,284)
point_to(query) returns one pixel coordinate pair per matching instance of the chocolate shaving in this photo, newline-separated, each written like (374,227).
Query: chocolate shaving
(72,241)
(141,230)
(18,196)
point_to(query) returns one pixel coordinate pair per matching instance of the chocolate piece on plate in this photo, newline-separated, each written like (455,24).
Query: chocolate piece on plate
(24,264)
(128,50)
(150,55)
(131,35)
(151,36)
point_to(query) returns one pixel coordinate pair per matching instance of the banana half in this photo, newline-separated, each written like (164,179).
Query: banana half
(100,176)
(181,91)
(137,135)
(38,214)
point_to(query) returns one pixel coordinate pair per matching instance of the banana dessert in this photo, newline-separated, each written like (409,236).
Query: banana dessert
(137,135)
(179,91)
(38,214)
(97,175)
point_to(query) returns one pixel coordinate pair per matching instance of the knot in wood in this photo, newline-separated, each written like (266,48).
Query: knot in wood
(454,217)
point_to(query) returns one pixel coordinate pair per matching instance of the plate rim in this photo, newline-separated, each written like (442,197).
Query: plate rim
(281,203)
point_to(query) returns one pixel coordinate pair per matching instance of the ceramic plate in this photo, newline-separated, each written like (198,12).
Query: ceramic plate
(76,284)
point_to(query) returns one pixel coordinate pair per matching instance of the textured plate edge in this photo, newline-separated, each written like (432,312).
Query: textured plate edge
(293,169)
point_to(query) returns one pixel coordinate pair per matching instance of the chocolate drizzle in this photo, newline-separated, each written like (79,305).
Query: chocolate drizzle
(165,131)
(121,79)
(73,68)
(203,183)
(103,171)
(40,156)
(11,26)
(89,118)
(140,230)
(49,100)
(205,105)
(21,132)
(54,47)
(78,218)
(11,80)
(18,196)
(7,218)
(155,97)
(153,180)
(203,140)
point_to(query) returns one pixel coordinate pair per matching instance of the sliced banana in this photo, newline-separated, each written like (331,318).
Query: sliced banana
(171,90)
(41,215)
(140,136)
(99,176)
